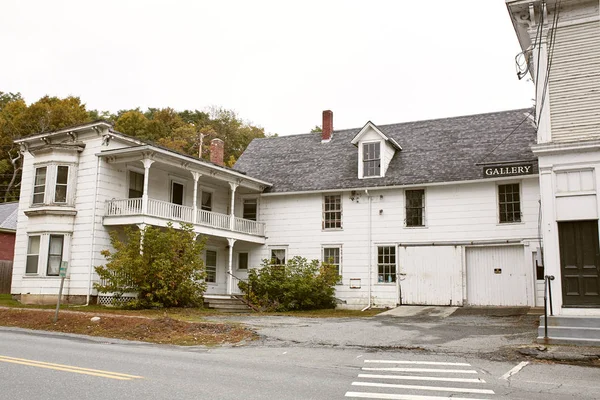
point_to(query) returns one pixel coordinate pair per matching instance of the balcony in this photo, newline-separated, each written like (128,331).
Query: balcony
(131,211)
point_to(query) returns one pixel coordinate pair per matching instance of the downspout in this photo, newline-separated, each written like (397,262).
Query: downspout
(370,250)
(87,300)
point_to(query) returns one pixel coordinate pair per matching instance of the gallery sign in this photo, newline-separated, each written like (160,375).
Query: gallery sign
(496,171)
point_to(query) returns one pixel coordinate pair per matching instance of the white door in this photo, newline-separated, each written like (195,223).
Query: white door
(497,276)
(430,275)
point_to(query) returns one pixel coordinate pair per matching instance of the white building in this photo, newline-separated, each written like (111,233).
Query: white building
(440,212)
(561,42)
(80,182)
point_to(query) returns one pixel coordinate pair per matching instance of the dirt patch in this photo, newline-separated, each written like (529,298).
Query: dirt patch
(490,311)
(156,330)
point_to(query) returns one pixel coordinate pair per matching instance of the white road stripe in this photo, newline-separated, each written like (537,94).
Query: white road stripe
(417,387)
(451,371)
(417,362)
(513,371)
(389,396)
(422,378)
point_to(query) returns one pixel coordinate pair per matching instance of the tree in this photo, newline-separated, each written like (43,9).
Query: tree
(18,120)
(298,285)
(316,129)
(167,272)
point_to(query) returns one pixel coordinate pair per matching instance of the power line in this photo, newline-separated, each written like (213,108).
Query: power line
(506,137)
(551,47)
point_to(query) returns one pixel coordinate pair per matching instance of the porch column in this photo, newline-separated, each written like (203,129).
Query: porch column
(141,227)
(147,163)
(230,267)
(196,176)
(232,207)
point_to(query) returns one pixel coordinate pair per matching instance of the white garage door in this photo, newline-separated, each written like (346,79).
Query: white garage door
(431,275)
(497,276)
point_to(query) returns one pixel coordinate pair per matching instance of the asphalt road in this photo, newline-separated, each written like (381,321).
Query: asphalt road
(37,365)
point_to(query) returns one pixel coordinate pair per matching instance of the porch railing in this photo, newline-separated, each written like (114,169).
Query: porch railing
(164,209)
(248,226)
(123,207)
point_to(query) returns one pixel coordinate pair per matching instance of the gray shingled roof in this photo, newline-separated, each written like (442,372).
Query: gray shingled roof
(8,216)
(440,150)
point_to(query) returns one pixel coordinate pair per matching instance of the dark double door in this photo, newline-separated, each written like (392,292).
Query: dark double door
(580,263)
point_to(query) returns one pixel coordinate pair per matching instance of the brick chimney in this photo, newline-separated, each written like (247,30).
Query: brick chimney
(217,148)
(327,125)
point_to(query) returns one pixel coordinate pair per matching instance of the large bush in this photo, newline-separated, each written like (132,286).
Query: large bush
(168,272)
(298,285)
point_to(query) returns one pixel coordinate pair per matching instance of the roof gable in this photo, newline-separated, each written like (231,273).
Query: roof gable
(371,127)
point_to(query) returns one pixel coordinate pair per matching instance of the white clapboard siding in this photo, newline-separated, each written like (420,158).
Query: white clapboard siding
(510,287)
(575,83)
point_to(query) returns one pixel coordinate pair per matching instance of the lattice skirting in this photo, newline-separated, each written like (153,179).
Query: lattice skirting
(111,300)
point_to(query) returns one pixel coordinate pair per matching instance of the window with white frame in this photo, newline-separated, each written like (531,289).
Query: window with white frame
(51,184)
(333,255)
(386,264)
(33,255)
(371,159)
(332,211)
(243,261)
(415,207)
(250,209)
(136,185)
(62,181)
(509,203)
(39,185)
(278,256)
(206,201)
(211,266)
(55,254)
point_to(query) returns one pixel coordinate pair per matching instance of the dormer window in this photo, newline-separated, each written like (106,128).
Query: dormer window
(371,159)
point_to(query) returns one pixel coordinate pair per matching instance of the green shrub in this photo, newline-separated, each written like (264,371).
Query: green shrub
(298,285)
(168,272)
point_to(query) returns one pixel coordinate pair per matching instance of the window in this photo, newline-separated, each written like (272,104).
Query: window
(243,261)
(278,256)
(331,255)
(206,201)
(332,212)
(33,255)
(386,264)
(415,207)
(39,185)
(250,207)
(211,266)
(55,253)
(371,159)
(62,178)
(136,185)
(509,203)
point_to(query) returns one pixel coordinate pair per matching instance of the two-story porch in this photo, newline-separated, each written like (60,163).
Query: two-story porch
(154,186)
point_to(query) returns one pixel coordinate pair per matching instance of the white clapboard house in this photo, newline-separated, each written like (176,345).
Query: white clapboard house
(440,212)
(561,47)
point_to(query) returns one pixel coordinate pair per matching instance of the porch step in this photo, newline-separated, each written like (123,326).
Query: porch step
(578,330)
(226,304)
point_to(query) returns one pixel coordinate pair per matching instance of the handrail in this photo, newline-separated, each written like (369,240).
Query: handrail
(547,292)
(245,297)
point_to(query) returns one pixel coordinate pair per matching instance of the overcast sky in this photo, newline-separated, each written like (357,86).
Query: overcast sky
(279,64)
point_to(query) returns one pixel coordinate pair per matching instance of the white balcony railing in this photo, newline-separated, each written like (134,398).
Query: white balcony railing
(164,209)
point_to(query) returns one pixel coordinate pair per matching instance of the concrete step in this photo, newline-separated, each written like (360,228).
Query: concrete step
(572,321)
(226,304)
(577,330)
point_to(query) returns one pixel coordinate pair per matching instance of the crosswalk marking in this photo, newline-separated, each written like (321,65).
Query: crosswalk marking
(417,387)
(451,371)
(418,380)
(422,378)
(389,396)
(418,363)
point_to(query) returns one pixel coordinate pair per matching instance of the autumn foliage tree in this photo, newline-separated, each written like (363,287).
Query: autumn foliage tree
(188,131)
